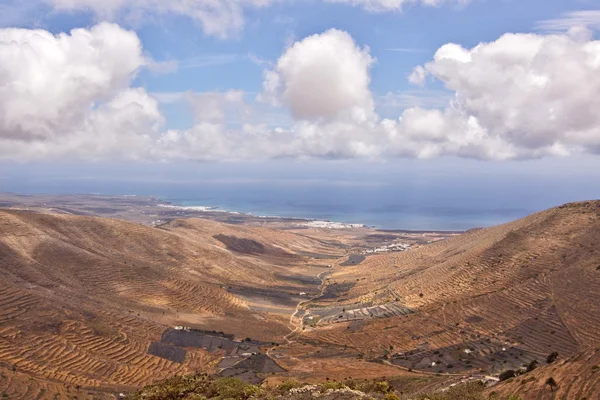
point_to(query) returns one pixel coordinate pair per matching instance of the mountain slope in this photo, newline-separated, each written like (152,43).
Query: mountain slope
(529,287)
(81,298)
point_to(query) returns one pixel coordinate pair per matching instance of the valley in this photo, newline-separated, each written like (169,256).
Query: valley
(91,307)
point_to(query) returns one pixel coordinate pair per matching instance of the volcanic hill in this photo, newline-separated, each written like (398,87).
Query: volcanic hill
(91,307)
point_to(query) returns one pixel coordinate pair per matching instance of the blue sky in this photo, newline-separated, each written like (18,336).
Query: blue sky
(302,90)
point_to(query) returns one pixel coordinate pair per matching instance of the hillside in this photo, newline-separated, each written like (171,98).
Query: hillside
(82,298)
(91,307)
(486,301)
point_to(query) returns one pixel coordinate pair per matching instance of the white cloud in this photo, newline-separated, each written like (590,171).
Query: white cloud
(393,5)
(219,18)
(60,93)
(587,18)
(425,98)
(49,83)
(418,76)
(323,76)
(538,93)
(218,108)
(521,96)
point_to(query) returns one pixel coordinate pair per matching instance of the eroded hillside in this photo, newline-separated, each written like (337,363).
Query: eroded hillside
(483,302)
(82,298)
(91,307)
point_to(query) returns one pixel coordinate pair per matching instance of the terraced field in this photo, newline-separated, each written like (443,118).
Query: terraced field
(577,378)
(82,299)
(388,310)
(531,284)
(84,303)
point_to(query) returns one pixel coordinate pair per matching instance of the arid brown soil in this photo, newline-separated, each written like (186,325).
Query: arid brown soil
(85,301)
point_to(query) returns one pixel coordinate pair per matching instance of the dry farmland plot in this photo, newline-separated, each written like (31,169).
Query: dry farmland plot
(84,302)
(82,299)
(527,285)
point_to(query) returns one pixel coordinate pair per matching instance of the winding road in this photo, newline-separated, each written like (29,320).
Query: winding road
(294,327)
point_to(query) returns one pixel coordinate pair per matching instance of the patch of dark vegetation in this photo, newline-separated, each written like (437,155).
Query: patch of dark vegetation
(354,259)
(214,333)
(286,296)
(532,365)
(300,279)
(317,256)
(249,246)
(202,386)
(336,290)
(241,245)
(199,386)
(552,357)
(378,237)
(168,352)
(505,375)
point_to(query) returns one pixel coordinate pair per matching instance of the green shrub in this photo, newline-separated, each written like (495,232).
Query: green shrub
(198,387)
(552,357)
(334,385)
(231,388)
(509,373)
(382,387)
(287,385)
(532,365)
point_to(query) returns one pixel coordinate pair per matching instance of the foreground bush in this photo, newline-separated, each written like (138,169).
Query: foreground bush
(204,387)
(198,387)
(468,391)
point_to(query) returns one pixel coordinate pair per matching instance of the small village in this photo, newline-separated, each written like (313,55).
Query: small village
(388,248)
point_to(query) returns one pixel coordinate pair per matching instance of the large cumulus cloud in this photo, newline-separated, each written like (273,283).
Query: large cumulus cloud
(323,76)
(521,96)
(535,93)
(70,93)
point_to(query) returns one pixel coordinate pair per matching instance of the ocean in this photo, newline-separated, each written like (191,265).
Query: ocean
(384,208)
(415,195)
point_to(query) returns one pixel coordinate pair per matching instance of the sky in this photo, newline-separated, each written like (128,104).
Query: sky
(387,85)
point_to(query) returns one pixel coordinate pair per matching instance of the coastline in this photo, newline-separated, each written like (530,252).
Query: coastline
(157,209)
(302,221)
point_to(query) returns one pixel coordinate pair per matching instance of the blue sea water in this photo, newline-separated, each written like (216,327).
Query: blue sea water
(428,195)
(385,208)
